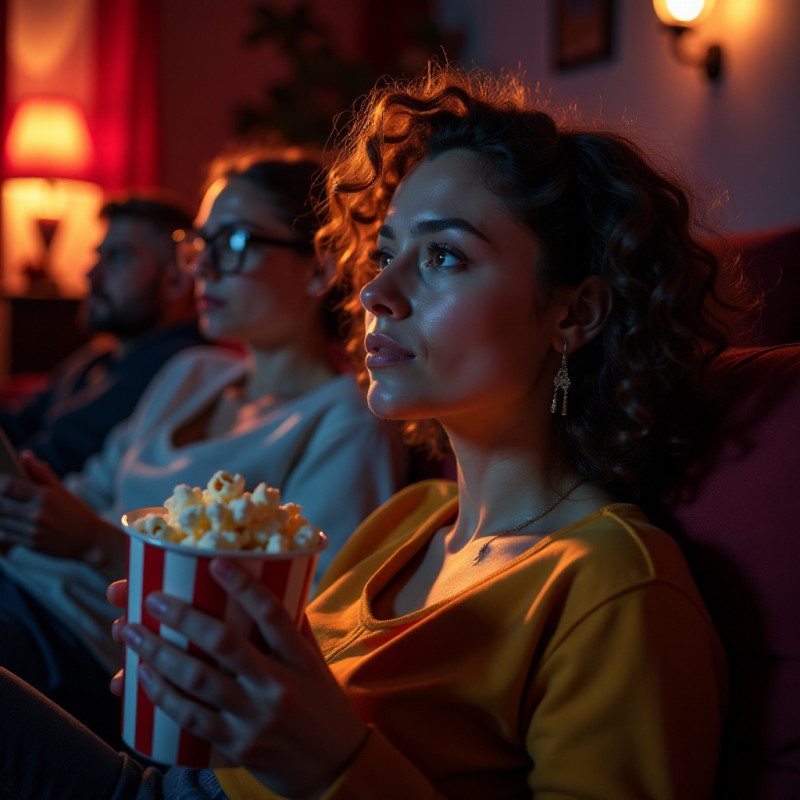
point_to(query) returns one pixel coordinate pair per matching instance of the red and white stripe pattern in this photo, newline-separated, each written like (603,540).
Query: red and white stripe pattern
(184,574)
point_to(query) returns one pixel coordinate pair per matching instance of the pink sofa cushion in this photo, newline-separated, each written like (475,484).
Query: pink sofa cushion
(770,259)
(738,518)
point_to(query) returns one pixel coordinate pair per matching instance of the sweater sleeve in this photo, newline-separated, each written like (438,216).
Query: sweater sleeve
(163,402)
(342,475)
(52,423)
(95,484)
(617,711)
(26,420)
(636,722)
(378,770)
(71,422)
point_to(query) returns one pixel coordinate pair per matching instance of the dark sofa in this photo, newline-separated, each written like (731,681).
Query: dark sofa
(737,516)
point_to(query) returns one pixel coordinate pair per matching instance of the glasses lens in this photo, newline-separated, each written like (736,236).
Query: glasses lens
(228,248)
(237,240)
(188,248)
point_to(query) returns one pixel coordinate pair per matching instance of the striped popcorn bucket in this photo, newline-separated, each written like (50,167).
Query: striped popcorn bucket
(154,565)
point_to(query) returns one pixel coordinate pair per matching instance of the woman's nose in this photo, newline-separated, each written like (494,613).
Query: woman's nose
(383,296)
(202,265)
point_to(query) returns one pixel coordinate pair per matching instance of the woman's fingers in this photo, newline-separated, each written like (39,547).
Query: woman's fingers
(187,672)
(117,628)
(194,717)
(38,470)
(18,490)
(15,508)
(117,593)
(17,518)
(269,614)
(213,636)
(117,683)
(12,532)
(245,689)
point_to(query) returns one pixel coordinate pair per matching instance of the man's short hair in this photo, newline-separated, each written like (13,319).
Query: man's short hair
(162,210)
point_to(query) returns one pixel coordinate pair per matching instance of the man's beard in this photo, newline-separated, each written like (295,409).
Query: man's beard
(123,323)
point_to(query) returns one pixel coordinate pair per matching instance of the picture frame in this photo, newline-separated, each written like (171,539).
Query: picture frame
(584,32)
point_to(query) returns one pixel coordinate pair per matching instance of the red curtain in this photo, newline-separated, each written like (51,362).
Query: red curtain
(125,117)
(3,114)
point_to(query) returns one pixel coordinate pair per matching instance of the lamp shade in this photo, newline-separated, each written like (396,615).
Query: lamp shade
(682,13)
(48,138)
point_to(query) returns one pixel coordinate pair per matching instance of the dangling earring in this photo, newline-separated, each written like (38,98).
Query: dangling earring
(561,381)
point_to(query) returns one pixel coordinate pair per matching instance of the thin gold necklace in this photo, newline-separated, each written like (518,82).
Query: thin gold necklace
(563,496)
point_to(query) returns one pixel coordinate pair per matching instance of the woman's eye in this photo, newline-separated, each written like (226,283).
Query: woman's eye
(380,257)
(443,256)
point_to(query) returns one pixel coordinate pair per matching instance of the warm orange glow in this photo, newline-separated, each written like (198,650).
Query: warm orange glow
(50,43)
(48,137)
(76,205)
(683,12)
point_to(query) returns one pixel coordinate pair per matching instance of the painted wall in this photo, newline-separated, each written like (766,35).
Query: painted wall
(737,139)
(207,72)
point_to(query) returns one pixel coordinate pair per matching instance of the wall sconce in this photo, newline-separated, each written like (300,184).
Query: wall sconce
(680,16)
(48,164)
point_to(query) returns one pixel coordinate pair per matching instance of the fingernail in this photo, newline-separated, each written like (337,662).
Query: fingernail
(156,603)
(223,568)
(145,674)
(132,636)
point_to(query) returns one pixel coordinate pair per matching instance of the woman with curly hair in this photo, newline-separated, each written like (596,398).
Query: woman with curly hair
(532,298)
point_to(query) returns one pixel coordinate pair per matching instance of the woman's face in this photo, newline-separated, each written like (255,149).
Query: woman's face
(267,298)
(458,327)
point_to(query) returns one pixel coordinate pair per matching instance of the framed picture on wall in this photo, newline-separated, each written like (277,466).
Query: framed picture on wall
(584,32)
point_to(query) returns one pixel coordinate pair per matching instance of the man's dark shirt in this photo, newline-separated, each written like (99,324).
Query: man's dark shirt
(88,394)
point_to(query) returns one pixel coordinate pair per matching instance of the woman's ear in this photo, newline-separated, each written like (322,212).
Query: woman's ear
(322,276)
(585,313)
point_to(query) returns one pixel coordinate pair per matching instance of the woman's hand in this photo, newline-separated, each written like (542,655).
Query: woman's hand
(280,713)
(117,595)
(42,515)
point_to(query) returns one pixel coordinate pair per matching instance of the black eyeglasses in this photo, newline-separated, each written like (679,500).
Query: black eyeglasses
(227,248)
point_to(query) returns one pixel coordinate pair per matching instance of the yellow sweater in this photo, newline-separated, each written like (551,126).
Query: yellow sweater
(587,667)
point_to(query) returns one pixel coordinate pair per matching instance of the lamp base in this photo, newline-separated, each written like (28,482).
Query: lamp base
(40,284)
(714,61)
(711,62)
(47,228)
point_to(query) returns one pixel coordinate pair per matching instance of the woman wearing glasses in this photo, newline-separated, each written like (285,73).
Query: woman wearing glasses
(284,413)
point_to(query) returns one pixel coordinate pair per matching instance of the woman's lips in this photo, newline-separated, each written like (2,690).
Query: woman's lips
(383,351)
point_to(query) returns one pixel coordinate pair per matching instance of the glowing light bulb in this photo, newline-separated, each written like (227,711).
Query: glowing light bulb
(682,12)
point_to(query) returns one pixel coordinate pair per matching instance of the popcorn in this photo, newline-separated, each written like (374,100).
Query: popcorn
(223,516)
(183,495)
(223,487)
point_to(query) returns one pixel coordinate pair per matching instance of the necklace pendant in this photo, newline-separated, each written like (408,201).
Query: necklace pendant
(524,524)
(479,554)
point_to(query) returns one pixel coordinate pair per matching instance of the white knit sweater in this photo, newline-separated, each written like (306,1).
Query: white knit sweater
(325,450)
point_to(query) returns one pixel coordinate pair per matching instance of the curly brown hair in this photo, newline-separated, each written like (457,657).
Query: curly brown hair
(597,206)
